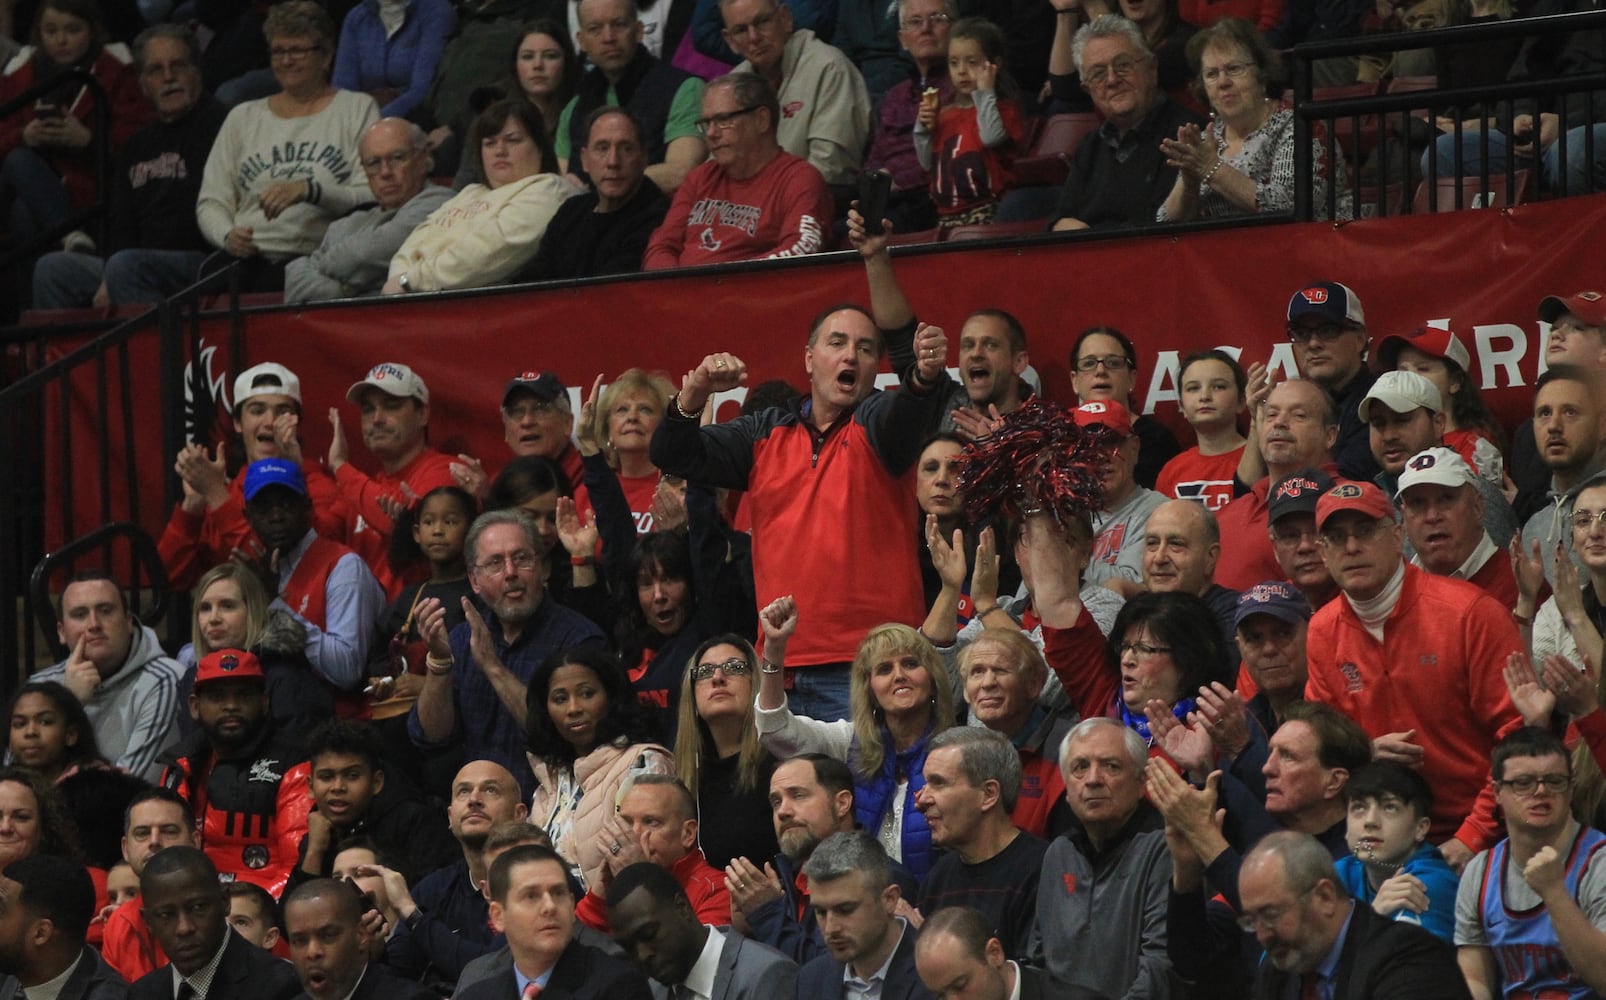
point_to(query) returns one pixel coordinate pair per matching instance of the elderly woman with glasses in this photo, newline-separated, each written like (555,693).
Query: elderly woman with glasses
(1242,163)
(261,206)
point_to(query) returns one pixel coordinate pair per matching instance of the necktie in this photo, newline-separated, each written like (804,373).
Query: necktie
(185,991)
(531,991)
(1310,987)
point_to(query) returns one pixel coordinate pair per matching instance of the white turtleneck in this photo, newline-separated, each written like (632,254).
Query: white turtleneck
(1374,611)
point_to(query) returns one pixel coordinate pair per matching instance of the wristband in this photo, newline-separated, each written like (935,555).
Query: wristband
(437,668)
(984,612)
(1523,620)
(581,561)
(1212,172)
(766,667)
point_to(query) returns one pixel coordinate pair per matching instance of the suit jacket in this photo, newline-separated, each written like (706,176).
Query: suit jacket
(92,980)
(582,973)
(245,973)
(747,970)
(821,978)
(1381,959)
(379,983)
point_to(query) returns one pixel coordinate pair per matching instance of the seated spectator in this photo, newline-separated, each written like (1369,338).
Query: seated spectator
(656,822)
(1104,366)
(1296,545)
(1210,394)
(923,27)
(50,733)
(1003,674)
(116,668)
(494,226)
(356,251)
(1567,408)
(657,925)
(394,402)
(536,487)
(901,697)
(247,777)
(1569,622)
(827,120)
(717,751)
(1445,523)
(47,160)
(232,612)
(49,902)
(390,52)
(189,919)
(325,586)
(154,821)
(155,245)
(533,907)
(1168,36)
(209,525)
(1335,940)
(1243,162)
(972,777)
(1116,561)
(1450,698)
(1269,625)
(257,206)
(1119,177)
(472,689)
(1405,414)
(751,199)
(1392,867)
(958,950)
(329,945)
(253,914)
(855,899)
(969,146)
(1181,543)
(604,230)
(1104,884)
(619,426)
(37,818)
(546,71)
(626,74)
(1165,647)
(1328,328)
(1528,913)
(1440,357)
(350,795)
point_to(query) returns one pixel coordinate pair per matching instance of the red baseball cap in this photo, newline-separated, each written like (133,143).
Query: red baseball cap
(224,664)
(1106,412)
(1430,340)
(1363,498)
(1588,306)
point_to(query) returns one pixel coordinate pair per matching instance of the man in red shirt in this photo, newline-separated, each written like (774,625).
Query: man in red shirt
(750,199)
(395,427)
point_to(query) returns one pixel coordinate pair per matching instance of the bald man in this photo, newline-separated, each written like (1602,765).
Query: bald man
(354,257)
(1181,544)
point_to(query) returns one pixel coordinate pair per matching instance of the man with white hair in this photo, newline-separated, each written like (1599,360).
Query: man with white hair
(1444,522)
(355,254)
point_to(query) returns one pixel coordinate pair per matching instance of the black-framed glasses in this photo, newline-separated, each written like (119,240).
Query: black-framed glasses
(722,121)
(1528,784)
(733,667)
(1110,362)
(1326,332)
(1143,650)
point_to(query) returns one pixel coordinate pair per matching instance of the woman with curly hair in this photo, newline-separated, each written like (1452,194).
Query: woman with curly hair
(901,695)
(33,818)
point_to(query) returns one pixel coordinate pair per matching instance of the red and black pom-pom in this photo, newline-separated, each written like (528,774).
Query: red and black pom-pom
(1037,460)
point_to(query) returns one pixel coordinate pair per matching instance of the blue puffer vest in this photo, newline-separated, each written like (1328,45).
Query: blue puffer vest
(872,797)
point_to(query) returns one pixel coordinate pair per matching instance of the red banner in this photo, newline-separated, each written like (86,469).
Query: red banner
(1482,272)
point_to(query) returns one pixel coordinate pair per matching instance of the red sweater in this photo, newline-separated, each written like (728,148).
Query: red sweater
(1438,671)
(704,885)
(368,526)
(784,210)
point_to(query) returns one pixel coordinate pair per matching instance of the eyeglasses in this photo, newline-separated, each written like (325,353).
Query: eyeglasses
(377,164)
(1362,532)
(619,25)
(1120,70)
(1527,784)
(757,26)
(497,565)
(293,51)
(1326,332)
(1143,650)
(917,22)
(1111,363)
(1268,916)
(1584,520)
(533,408)
(732,667)
(723,121)
(1290,537)
(1235,70)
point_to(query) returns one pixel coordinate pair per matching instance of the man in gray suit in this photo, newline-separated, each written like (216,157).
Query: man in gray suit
(685,959)
(46,903)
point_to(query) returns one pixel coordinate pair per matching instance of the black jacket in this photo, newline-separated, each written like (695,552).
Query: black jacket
(1380,958)
(582,973)
(580,242)
(821,978)
(245,973)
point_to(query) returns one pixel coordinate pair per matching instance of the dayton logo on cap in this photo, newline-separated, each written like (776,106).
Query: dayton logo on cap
(1315,296)
(1348,491)
(529,376)
(1423,461)
(1094,407)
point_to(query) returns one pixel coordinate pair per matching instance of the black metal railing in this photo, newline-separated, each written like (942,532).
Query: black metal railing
(42,434)
(1398,123)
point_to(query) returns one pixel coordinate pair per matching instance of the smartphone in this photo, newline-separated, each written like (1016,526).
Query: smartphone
(875,186)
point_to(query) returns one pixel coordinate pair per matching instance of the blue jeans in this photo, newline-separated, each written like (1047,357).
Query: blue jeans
(33,193)
(1579,170)
(821,692)
(70,280)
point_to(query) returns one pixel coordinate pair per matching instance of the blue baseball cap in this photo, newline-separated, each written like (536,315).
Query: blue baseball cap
(267,472)
(1274,597)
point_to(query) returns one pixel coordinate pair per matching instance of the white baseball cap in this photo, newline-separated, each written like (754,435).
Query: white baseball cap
(1402,392)
(392,378)
(266,379)
(1437,467)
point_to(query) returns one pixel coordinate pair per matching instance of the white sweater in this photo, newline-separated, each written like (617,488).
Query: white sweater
(257,149)
(482,235)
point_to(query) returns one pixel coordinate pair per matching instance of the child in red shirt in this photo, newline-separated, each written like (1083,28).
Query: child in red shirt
(969,147)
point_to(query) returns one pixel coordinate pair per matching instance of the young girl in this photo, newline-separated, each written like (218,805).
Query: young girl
(439,525)
(969,146)
(1210,391)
